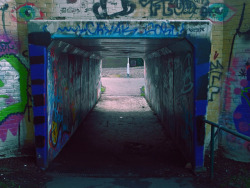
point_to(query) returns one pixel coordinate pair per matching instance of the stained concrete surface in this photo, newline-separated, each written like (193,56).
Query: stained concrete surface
(120,144)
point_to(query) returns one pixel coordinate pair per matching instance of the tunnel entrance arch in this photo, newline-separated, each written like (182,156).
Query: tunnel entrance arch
(185,56)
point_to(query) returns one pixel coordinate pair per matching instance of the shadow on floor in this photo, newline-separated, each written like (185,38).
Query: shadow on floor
(120,143)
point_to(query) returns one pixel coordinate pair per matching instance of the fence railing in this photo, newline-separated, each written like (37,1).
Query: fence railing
(213,125)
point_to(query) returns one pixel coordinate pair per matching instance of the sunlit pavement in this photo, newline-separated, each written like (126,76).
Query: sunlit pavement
(123,86)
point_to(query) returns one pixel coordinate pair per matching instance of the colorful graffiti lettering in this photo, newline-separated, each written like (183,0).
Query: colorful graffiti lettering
(58,130)
(13,94)
(103,29)
(26,12)
(236,111)
(218,12)
(242,112)
(54,133)
(127,7)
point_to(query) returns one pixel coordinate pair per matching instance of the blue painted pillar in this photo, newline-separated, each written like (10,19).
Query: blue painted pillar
(38,67)
(202,50)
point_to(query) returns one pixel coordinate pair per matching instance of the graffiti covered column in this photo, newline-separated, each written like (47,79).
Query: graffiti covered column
(38,79)
(38,67)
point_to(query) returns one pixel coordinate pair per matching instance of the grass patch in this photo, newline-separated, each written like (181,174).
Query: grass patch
(115,76)
(143,91)
(103,89)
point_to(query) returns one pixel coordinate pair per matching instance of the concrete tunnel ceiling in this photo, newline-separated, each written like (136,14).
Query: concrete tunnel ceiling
(133,48)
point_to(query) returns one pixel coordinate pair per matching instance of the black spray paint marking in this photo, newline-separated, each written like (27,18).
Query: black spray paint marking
(237,32)
(243,73)
(6,46)
(3,9)
(215,74)
(171,7)
(128,8)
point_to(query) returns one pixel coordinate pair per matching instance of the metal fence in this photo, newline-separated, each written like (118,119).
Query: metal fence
(213,125)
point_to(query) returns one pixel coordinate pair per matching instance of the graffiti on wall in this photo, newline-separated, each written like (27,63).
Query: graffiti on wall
(64,98)
(13,94)
(69,98)
(7,43)
(15,99)
(183,102)
(121,29)
(108,9)
(3,9)
(215,75)
(242,111)
(57,121)
(174,7)
(26,12)
(74,10)
(236,107)
(218,12)
(178,83)
(71,1)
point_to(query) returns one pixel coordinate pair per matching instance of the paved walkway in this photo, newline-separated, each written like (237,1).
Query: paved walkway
(122,86)
(121,144)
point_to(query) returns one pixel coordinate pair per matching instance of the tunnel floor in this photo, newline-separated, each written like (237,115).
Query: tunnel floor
(120,137)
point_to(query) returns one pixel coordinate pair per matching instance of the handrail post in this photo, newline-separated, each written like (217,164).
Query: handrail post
(212,154)
(213,125)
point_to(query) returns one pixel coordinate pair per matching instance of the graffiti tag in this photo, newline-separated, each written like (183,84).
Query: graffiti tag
(127,8)
(121,29)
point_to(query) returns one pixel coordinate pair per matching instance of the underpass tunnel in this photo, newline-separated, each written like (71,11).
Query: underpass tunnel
(66,78)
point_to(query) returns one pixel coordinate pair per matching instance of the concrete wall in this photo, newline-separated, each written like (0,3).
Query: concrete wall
(176,88)
(170,91)
(73,88)
(65,87)
(225,15)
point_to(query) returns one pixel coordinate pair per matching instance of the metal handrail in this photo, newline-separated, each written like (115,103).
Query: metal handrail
(212,142)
